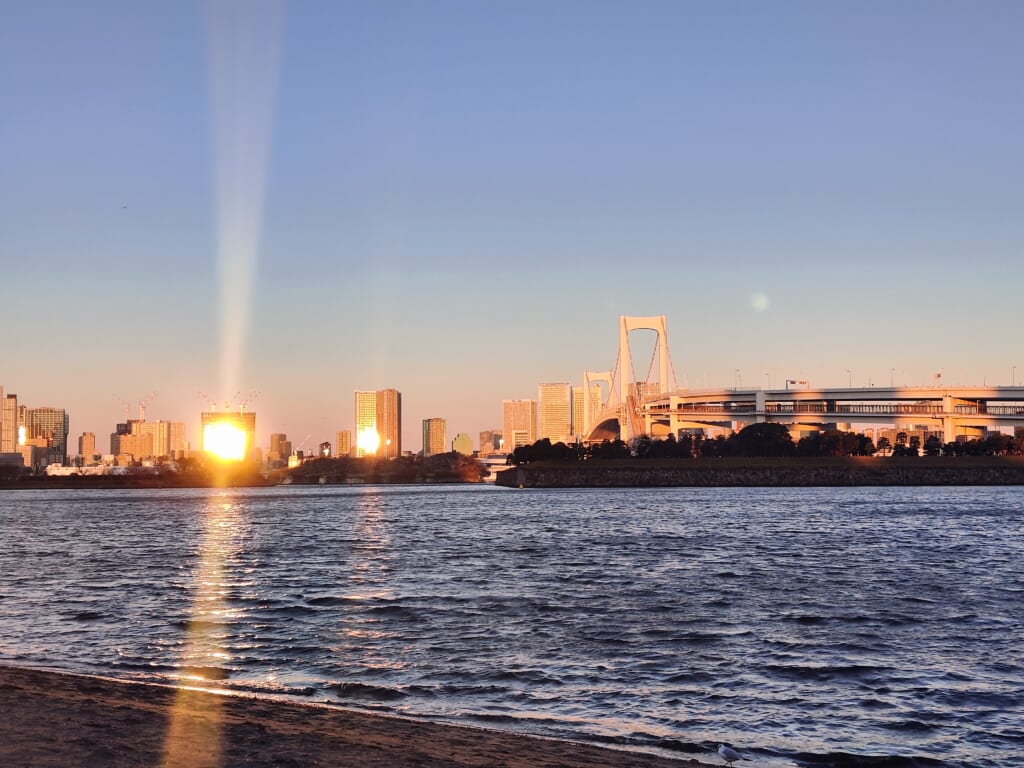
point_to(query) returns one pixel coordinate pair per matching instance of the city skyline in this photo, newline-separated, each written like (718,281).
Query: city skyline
(815,193)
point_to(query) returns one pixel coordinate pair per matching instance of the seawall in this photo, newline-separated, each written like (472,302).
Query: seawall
(768,473)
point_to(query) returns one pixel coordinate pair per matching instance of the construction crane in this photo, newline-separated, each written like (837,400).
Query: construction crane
(243,405)
(125,403)
(210,402)
(142,404)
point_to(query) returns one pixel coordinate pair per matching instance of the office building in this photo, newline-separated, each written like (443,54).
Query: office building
(177,437)
(554,414)
(490,442)
(367,438)
(389,422)
(87,446)
(280,449)
(168,437)
(35,453)
(343,443)
(135,446)
(8,422)
(463,444)
(216,425)
(519,423)
(585,410)
(379,423)
(142,440)
(433,437)
(120,430)
(52,425)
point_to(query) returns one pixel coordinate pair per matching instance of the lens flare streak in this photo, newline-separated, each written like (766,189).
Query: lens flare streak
(243,42)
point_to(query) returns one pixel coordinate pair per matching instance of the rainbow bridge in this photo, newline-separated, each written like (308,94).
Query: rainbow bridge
(659,408)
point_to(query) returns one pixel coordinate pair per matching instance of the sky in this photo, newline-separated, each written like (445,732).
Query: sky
(293,201)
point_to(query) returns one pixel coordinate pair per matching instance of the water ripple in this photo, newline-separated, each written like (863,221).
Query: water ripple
(812,627)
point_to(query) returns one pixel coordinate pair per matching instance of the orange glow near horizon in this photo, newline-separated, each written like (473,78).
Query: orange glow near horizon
(224,440)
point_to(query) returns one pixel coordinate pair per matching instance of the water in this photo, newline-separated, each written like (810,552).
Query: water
(812,627)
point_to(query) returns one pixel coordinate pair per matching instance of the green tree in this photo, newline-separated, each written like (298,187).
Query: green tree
(764,439)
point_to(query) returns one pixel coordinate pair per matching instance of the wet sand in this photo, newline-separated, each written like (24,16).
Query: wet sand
(54,719)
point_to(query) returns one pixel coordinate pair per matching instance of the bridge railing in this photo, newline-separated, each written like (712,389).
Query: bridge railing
(860,409)
(1003,410)
(914,409)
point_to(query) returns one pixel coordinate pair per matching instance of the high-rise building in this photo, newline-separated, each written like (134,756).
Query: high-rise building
(51,424)
(519,423)
(554,413)
(136,445)
(123,429)
(490,442)
(8,423)
(585,410)
(379,423)
(324,450)
(344,443)
(168,437)
(280,448)
(35,453)
(463,444)
(276,439)
(177,432)
(389,422)
(367,437)
(215,426)
(148,439)
(433,436)
(87,446)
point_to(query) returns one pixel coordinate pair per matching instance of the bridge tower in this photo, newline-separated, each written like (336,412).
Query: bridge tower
(591,378)
(622,413)
(659,326)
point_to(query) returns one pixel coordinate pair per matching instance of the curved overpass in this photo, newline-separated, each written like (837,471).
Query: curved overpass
(956,410)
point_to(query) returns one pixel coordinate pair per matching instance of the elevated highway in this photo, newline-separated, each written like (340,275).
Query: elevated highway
(954,410)
(633,406)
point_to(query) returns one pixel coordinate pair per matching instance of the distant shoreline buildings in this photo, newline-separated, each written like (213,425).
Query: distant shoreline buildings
(35,438)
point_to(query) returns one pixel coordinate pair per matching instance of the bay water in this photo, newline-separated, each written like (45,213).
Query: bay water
(807,627)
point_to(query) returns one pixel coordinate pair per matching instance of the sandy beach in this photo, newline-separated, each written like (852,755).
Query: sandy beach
(56,719)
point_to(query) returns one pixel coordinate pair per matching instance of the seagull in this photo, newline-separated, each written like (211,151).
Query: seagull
(729,754)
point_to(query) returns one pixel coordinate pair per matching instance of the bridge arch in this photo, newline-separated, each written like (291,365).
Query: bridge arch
(659,325)
(606,427)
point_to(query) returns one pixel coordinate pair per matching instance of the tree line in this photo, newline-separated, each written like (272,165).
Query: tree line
(763,440)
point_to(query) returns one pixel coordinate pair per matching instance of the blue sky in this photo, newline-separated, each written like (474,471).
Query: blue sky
(461,198)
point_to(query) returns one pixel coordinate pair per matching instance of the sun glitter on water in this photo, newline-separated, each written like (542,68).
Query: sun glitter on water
(225,441)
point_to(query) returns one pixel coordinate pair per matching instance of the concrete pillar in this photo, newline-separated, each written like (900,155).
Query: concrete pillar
(948,420)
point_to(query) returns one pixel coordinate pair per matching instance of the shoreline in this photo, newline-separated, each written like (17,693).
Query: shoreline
(54,718)
(768,473)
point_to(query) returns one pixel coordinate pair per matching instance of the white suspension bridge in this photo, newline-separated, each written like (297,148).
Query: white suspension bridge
(659,407)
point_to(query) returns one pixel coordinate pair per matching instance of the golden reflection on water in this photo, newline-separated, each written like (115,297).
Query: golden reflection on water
(195,736)
(368,579)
